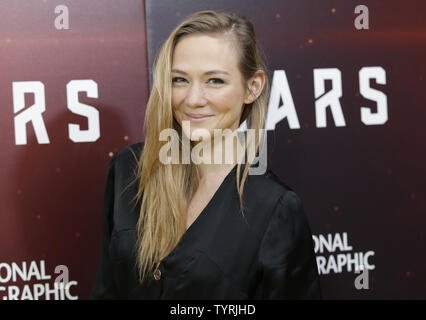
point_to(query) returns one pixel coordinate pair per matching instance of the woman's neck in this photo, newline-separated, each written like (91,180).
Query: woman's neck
(223,155)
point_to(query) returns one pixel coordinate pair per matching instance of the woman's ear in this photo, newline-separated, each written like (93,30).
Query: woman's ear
(255,86)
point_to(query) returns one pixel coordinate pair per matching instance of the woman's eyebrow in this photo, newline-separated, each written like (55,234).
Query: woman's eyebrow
(206,73)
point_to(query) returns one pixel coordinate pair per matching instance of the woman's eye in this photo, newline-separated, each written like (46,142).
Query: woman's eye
(219,80)
(180,79)
(175,79)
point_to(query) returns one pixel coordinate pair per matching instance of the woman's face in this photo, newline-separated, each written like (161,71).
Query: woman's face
(207,86)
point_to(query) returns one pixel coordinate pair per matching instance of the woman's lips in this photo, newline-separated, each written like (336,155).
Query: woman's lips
(198,117)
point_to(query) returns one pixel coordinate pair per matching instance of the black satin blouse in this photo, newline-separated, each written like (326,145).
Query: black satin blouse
(267,255)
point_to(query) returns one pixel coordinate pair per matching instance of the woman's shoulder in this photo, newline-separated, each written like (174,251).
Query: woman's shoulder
(277,182)
(268,193)
(268,186)
(287,206)
(134,149)
(129,154)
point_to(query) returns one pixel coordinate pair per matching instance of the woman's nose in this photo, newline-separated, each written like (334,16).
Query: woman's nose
(196,95)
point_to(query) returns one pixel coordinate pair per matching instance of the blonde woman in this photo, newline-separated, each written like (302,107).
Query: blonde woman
(203,230)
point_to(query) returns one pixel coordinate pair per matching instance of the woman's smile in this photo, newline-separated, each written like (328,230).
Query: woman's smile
(198,117)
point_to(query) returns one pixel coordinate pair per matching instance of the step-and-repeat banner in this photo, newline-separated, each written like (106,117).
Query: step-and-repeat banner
(345,129)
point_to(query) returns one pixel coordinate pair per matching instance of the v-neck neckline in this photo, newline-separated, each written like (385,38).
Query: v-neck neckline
(209,203)
(203,213)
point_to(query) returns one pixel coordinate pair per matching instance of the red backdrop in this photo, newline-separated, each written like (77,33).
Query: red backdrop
(51,192)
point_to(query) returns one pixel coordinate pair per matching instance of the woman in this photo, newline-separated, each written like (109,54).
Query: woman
(194,230)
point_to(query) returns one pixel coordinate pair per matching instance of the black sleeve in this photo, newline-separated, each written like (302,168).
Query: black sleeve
(287,254)
(103,286)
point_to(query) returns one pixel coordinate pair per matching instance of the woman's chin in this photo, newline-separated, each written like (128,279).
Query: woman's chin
(201,137)
(200,133)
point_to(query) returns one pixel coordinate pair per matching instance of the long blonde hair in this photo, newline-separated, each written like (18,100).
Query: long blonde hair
(165,190)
